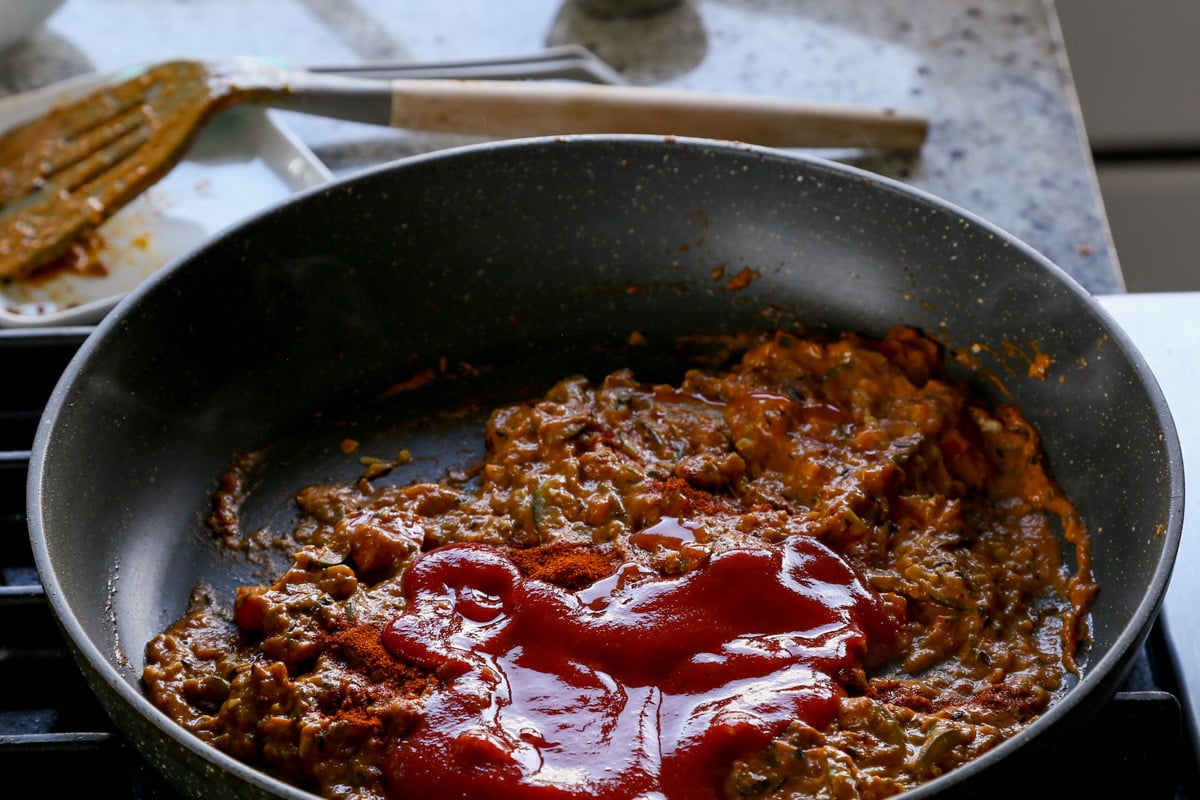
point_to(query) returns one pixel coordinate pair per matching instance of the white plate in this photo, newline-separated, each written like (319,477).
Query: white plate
(242,161)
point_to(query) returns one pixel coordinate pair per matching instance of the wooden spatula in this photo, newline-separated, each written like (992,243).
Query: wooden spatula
(65,173)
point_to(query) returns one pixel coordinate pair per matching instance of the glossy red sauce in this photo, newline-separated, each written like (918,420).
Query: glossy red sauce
(639,686)
(667,532)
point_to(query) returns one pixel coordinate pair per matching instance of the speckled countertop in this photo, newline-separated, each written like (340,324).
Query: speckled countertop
(1006,139)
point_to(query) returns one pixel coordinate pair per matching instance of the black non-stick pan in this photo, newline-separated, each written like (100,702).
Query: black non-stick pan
(507,267)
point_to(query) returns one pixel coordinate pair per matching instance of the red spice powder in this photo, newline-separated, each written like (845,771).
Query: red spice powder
(361,648)
(571,566)
(681,499)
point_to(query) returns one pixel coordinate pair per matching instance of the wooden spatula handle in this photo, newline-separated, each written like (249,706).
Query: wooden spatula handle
(511,109)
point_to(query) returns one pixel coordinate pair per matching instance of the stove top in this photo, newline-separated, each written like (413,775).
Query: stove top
(50,723)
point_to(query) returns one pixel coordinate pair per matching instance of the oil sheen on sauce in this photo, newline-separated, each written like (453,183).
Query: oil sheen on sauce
(639,686)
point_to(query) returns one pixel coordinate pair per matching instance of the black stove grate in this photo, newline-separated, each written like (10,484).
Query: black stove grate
(51,724)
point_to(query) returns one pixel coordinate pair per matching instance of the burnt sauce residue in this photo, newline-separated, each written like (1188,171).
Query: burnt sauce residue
(827,571)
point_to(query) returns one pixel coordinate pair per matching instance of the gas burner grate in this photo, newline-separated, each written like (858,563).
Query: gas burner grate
(51,723)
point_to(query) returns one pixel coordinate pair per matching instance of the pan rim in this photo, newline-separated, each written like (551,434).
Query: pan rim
(1103,671)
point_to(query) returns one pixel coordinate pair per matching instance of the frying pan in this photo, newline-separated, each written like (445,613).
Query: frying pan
(513,265)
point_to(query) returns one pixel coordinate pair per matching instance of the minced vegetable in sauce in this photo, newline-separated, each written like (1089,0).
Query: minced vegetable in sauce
(825,572)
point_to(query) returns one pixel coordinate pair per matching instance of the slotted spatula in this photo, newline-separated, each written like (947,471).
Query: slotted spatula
(65,173)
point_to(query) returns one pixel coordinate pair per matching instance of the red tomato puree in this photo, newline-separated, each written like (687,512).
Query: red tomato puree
(638,686)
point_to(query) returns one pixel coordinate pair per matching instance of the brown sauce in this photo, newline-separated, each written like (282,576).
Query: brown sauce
(358,673)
